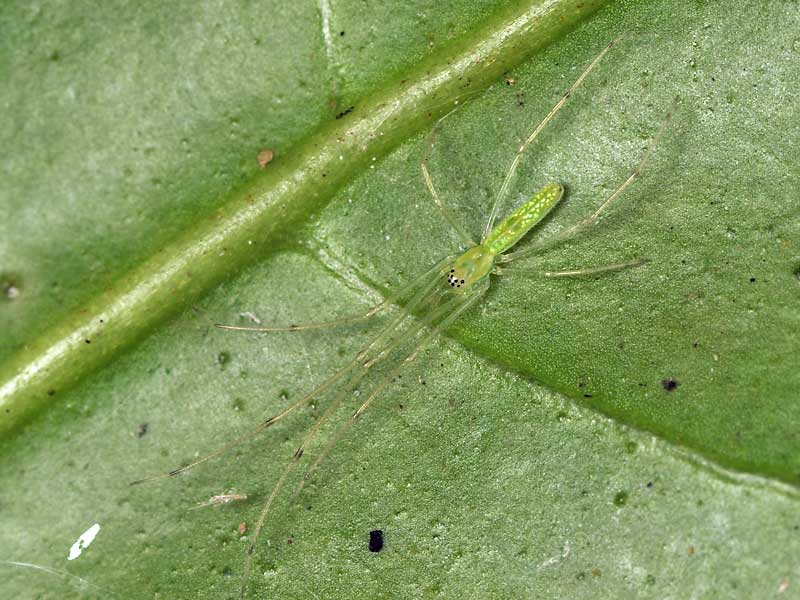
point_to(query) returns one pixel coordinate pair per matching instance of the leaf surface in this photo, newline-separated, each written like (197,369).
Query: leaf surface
(567,438)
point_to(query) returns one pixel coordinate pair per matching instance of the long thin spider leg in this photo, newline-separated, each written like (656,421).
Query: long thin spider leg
(388,342)
(422,294)
(406,336)
(595,270)
(261,519)
(79,582)
(383,344)
(574,272)
(354,380)
(374,310)
(391,344)
(595,216)
(261,427)
(435,330)
(518,156)
(425,282)
(446,213)
(371,312)
(457,309)
(294,461)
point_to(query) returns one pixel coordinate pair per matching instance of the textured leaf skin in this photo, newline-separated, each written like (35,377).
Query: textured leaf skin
(484,483)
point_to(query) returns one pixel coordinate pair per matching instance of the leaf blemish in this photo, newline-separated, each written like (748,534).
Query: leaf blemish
(669,384)
(376,540)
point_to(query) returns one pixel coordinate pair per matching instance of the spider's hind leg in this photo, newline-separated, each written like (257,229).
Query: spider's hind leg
(572,272)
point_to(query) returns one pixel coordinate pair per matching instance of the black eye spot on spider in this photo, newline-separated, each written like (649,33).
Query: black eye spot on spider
(376,540)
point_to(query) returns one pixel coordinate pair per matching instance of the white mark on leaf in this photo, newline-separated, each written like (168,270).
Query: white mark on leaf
(87,537)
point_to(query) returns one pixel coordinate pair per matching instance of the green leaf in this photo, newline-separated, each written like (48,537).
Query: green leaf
(626,435)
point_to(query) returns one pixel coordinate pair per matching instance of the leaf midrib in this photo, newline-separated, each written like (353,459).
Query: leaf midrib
(263,210)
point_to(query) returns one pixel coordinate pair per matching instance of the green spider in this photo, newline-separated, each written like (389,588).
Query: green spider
(431,303)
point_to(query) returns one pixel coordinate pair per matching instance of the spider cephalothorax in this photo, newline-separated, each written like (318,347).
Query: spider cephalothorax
(470,268)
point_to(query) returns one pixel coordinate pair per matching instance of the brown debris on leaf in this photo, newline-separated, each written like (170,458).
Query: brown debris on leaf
(265,157)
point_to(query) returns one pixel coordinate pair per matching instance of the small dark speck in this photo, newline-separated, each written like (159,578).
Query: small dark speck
(141,430)
(341,33)
(346,111)
(376,540)
(88,341)
(650,484)
(587,395)
(669,384)
(752,280)
(51,392)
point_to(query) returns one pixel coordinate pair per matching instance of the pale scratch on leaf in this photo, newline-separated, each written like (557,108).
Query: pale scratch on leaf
(220,499)
(325,9)
(554,560)
(249,315)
